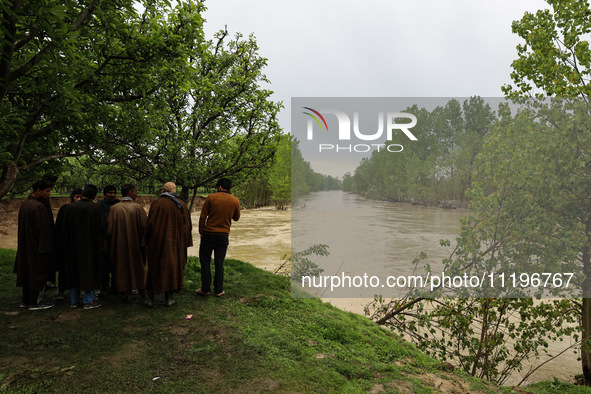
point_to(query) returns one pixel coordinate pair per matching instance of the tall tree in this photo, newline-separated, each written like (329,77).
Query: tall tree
(555,60)
(213,120)
(300,173)
(71,71)
(528,231)
(280,174)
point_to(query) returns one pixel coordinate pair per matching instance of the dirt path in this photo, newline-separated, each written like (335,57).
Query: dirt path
(8,229)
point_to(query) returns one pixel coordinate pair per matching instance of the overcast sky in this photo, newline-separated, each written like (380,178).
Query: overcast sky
(425,48)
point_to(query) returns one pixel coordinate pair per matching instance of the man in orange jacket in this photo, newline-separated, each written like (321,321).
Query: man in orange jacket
(214,227)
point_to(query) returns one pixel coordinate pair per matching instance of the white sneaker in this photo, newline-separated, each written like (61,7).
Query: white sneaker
(39,307)
(92,305)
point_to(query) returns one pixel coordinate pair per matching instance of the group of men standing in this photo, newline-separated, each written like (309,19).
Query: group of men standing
(90,242)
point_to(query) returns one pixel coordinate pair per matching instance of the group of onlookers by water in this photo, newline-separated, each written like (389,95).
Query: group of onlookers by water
(113,246)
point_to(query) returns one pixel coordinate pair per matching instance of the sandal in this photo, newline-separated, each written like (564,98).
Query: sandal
(220,294)
(202,293)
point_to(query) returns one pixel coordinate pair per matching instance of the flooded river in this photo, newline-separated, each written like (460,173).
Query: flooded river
(372,238)
(355,228)
(261,237)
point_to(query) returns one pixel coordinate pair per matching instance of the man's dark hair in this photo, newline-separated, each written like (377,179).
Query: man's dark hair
(90,191)
(125,189)
(225,183)
(74,192)
(108,188)
(50,178)
(41,184)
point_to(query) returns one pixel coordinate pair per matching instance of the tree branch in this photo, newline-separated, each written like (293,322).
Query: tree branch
(22,70)
(398,310)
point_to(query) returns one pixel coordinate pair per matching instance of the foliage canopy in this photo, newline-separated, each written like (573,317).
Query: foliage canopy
(131,84)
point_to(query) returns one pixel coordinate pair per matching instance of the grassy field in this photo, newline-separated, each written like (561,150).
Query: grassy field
(256,338)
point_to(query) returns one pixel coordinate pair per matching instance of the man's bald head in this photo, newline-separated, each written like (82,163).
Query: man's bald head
(169,187)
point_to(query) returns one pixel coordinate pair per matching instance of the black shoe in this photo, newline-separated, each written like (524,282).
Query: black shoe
(168,298)
(149,301)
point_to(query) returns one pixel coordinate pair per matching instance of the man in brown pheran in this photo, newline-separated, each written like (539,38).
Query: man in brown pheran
(35,245)
(214,227)
(125,229)
(167,237)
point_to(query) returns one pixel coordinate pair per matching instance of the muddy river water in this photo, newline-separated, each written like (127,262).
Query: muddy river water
(354,227)
(261,237)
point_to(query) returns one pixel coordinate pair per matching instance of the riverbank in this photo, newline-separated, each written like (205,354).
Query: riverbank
(443,204)
(257,338)
(263,236)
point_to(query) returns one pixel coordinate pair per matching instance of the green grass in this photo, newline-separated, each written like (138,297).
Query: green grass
(556,386)
(256,338)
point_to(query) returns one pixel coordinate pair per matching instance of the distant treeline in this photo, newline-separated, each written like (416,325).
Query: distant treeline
(289,177)
(436,169)
(304,179)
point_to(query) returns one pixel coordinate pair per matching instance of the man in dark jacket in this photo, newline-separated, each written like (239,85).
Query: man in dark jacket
(35,248)
(109,200)
(81,231)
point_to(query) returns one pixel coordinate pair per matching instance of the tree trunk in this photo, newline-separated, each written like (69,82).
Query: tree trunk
(184,194)
(586,312)
(193,198)
(8,179)
(586,338)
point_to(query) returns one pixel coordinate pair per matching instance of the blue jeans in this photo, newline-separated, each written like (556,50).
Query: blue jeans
(75,296)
